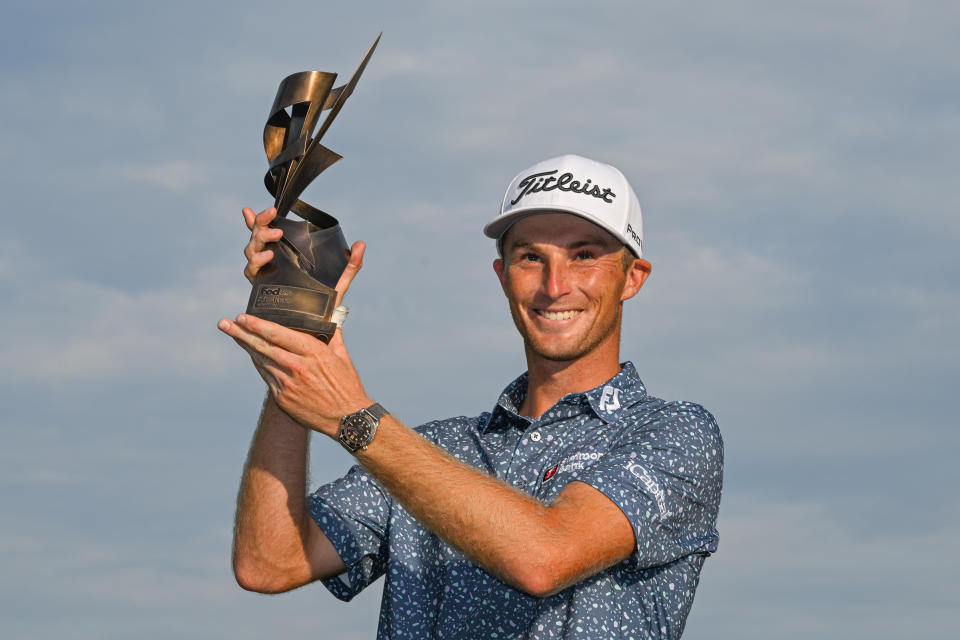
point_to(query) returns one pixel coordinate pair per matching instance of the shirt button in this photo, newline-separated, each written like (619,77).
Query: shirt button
(535,436)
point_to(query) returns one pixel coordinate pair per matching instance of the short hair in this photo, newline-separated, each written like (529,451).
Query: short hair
(627,258)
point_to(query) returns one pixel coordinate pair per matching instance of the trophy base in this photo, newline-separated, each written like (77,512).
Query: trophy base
(286,293)
(293,307)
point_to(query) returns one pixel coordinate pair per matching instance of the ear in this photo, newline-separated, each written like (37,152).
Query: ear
(636,276)
(498,266)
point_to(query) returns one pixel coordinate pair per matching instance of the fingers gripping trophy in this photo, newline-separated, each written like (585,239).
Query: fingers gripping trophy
(297,287)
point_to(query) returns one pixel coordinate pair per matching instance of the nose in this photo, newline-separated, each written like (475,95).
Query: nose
(556,278)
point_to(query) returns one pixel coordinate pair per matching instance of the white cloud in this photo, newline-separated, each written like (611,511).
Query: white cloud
(81,330)
(176,175)
(853,580)
(112,584)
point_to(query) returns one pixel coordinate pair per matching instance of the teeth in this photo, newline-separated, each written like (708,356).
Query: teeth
(558,315)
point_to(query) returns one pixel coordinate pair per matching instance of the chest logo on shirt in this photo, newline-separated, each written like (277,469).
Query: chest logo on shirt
(576,462)
(610,399)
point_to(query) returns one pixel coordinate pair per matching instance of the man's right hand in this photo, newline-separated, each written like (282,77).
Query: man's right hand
(261,233)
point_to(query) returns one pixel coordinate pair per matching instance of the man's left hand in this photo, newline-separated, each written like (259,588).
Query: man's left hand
(314,383)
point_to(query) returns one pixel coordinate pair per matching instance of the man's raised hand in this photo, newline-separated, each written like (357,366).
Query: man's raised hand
(312,382)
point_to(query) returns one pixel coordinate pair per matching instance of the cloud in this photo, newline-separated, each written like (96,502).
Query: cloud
(776,554)
(174,175)
(76,330)
(87,583)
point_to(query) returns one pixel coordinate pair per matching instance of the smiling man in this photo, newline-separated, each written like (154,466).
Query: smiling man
(578,507)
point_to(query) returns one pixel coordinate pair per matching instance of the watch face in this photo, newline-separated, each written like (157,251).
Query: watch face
(355,431)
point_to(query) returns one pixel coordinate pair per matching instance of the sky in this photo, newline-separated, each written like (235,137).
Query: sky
(796,164)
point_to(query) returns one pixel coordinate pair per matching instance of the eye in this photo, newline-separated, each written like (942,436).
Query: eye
(585,254)
(530,257)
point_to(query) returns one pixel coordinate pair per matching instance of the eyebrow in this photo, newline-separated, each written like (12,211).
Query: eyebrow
(576,244)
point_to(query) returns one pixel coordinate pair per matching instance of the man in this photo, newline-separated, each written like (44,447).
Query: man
(579,507)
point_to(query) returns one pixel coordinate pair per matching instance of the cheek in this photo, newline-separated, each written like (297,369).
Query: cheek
(599,281)
(606,287)
(519,280)
(511,290)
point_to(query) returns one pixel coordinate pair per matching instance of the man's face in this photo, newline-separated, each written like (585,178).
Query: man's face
(565,279)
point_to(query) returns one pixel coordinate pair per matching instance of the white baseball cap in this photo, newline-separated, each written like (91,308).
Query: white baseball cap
(573,184)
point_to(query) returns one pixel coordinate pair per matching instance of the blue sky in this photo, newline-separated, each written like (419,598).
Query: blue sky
(796,164)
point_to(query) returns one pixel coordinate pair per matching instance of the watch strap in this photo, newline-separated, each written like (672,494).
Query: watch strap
(377,411)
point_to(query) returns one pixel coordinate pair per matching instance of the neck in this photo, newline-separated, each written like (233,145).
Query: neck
(550,380)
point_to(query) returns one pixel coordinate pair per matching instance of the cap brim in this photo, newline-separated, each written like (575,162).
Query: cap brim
(501,224)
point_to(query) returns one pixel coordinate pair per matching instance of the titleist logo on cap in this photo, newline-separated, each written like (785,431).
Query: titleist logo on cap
(546,181)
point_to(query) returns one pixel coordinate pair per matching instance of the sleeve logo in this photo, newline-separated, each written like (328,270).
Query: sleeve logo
(652,487)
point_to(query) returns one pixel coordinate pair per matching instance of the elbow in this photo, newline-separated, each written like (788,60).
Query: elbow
(538,585)
(252,577)
(540,577)
(249,578)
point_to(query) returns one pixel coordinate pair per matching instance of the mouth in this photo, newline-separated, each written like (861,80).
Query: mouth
(566,314)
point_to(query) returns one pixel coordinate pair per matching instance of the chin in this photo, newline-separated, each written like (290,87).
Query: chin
(571,346)
(560,356)
(567,350)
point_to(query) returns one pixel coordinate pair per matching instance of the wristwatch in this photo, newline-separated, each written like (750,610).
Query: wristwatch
(358,429)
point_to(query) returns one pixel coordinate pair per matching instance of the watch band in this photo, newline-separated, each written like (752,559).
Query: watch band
(377,411)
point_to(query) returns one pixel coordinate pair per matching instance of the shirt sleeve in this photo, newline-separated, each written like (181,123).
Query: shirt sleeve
(354,512)
(665,474)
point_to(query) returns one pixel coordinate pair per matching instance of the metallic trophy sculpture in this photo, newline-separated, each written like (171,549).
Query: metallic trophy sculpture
(296,288)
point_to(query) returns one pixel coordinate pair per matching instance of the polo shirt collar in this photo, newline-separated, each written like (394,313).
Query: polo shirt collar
(607,401)
(617,394)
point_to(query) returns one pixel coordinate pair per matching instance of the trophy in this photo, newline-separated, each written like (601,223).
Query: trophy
(296,288)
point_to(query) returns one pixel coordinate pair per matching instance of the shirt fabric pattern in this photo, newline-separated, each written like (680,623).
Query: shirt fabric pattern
(660,462)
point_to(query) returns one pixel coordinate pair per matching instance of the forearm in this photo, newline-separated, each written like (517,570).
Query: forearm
(507,532)
(270,533)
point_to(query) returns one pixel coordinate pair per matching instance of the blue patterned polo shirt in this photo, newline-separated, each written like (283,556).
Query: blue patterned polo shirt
(660,462)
